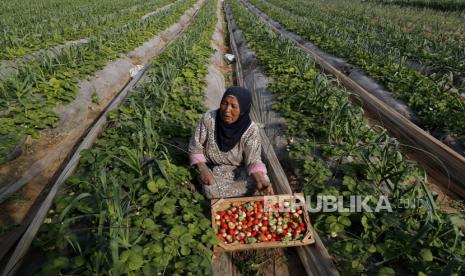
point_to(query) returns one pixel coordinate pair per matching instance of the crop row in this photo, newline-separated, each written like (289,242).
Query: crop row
(338,154)
(440,5)
(27,98)
(129,208)
(33,27)
(377,53)
(400,33)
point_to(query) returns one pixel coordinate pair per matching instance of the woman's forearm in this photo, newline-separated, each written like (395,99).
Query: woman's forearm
(259,178)
(201,166)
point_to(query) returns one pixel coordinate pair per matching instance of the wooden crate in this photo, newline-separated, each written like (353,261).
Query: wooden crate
(224,203)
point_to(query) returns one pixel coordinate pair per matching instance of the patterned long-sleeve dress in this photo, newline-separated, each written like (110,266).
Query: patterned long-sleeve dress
(231,170)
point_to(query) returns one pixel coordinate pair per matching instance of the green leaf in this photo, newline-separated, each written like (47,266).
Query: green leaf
(426,255)
(348,247)
(156,248)
(185,250)
(386,271)
(204,238)
(73,203)
(330,219)
(145,199)
(152,186)
(178,230)
(148,270)
(168,210)
(125,255)
(365,223)
(78,261)
(185,239)
(336,227)
(161,183)
(135,261)
(214,241)
(148,224)
(344,220)
(179,265)
(54,266)
(205,223)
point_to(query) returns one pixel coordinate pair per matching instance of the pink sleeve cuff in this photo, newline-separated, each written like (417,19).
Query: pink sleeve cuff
(257,167)
(197,158)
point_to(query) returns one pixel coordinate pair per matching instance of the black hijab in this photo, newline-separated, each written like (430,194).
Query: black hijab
(227,136)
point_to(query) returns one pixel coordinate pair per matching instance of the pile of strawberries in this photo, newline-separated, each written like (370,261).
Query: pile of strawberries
(250,223)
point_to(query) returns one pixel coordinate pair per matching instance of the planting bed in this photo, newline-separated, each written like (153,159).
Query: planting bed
(130,197)
(29,26)
(42,158)
(39,85)
(368,38)
(440,160)
(337,153)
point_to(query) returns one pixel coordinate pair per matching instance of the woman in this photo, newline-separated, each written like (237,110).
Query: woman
(226,149)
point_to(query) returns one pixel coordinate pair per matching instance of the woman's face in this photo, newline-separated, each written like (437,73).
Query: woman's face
(230,110)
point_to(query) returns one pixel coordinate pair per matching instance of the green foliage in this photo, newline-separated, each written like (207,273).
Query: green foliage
(338,154)
(129,209)
(49,79)
(46,24)
(376,40)
(440,5)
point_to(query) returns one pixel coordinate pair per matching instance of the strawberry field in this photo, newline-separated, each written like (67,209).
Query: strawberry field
(132,187)
(406,50)
(47,80)
(32,26)
(132,204)
(337,153)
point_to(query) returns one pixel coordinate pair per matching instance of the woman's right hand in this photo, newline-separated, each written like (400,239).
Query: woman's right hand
(205,174)
(263,185)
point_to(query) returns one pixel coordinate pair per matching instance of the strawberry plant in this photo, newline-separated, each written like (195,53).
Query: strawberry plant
(28,26)
(371,41)
(338,154)
(440,5)
(130,209)
(47,81)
